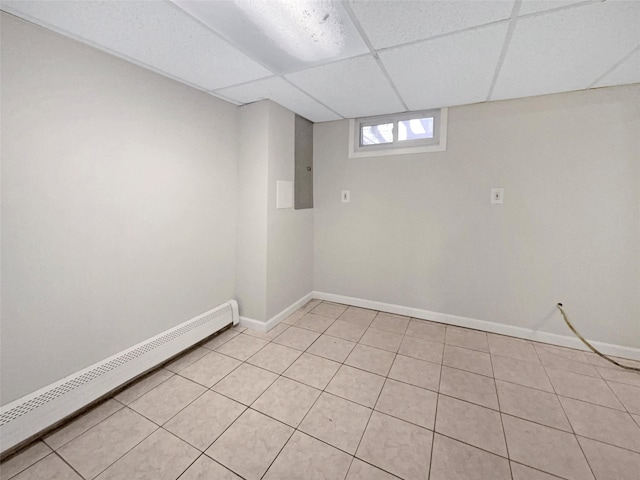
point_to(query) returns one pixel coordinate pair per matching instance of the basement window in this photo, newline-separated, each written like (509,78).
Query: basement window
(412,132)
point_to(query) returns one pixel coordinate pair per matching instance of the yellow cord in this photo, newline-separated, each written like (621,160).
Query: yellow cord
(591,347)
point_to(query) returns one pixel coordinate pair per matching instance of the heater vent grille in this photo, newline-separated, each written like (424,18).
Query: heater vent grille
(108,366)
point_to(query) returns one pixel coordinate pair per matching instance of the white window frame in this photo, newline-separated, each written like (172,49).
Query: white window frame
(436,144)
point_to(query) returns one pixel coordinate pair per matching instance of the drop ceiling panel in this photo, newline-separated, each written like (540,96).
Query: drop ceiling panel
(452,70)
(282,92)
(568,49)
(534,6)
(395,23)
(353,88)
(626,72)
(155,34)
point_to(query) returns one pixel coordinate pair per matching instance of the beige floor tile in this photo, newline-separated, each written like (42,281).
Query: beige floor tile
(161,456)
(167,399)
(601,423)
(356,385)
(100,446)
(204,420)
(210,369)
(512,348)
(562,352)
(530,404)
(333,348)
(329,310)
(287,400)
(314,371)
(546,449)
(49,468)
(523,373)
(186,359)
(416,372)
(336,421)
(310,305)
(315,323)
(358,316)
(221,338)
(611,463)
(636,418)
(294,317)
(422,349)
(245,384)
(472,424)
(250,445)
(360,470)
(396,446)
(305,458)
(143,385)
(469,360)
(552,360)
(275,358)
(452,460)
(242,346)
(382,339)
(463,337)
(391,323)
(409,403)
(298,338)
(619,375)
(589,389)
(206,469)
(270,335)
(370,359)
(427,330)
(469,386)
(628,395)
(84,422)
(346,330)
(522,472)
(23,459)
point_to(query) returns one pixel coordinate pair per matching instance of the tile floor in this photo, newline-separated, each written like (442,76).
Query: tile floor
(337,392)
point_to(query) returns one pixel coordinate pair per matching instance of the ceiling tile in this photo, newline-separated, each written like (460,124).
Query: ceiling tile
(626,72)
(156,34)
(282,92)
(452,70)
(534,6)
(354,88)
(401,22)
(568,49)
(258,29)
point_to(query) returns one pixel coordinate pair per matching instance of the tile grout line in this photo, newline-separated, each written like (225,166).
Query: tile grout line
(504,433)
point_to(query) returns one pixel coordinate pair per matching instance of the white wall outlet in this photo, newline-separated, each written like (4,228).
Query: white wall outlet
(346,196)
(497,196)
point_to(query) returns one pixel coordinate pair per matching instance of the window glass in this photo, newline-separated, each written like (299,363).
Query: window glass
(415,128)
(377,134)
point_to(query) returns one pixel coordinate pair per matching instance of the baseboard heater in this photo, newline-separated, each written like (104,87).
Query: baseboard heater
(30,415)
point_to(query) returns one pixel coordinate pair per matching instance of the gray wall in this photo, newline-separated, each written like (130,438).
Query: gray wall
(420,232)
(290,232)
(275,246)
(118,205)
(253,162)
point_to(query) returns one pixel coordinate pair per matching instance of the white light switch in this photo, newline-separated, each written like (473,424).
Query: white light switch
(284,194)
(497,196)
(346,196)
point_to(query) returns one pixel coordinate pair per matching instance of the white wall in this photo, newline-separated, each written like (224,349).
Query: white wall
(275,246)
(290,232)
(253,161)
(118,205)
(420,232)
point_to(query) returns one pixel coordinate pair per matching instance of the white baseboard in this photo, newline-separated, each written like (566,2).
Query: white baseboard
(277,318)
(492,327)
